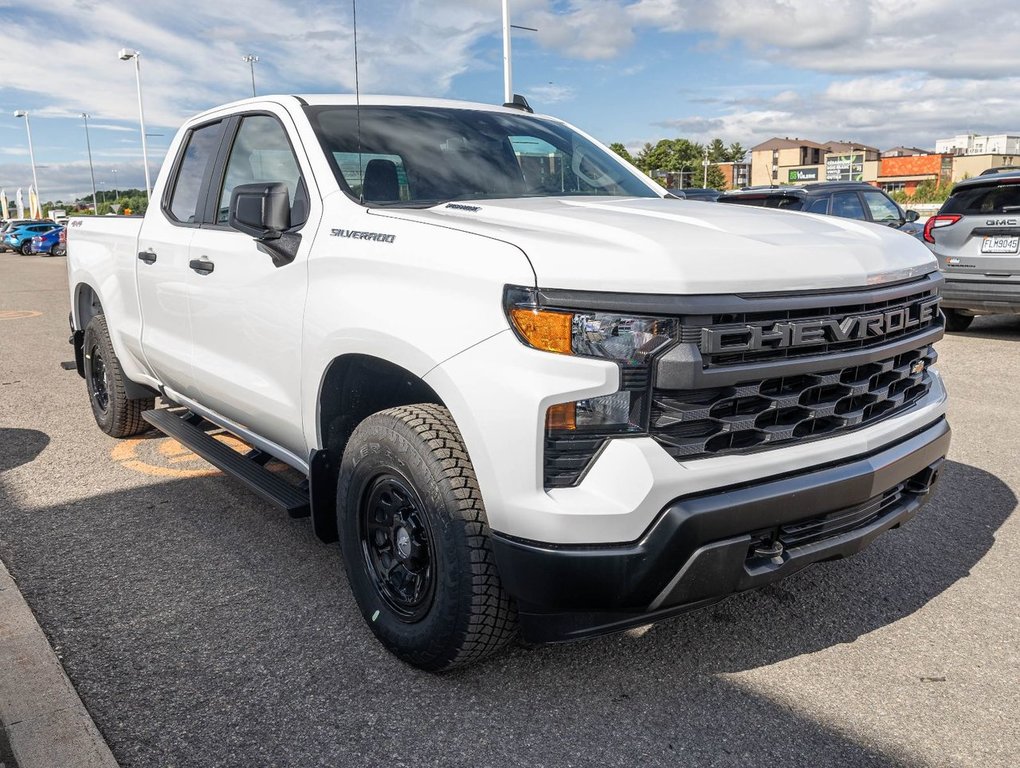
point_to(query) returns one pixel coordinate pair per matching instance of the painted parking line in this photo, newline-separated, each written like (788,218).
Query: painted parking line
(18,314)
(166,457)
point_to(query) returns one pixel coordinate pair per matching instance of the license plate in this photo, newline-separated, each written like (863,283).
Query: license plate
(1000,244)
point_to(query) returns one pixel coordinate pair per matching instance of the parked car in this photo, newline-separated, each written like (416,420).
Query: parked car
(14,224)
(696,193)
(20,238)
(847,199)
(50,243)
(976,238)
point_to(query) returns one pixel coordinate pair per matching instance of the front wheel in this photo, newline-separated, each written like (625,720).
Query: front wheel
(58,250)
(415,540)
(957,322)
(116,414)
(26,248)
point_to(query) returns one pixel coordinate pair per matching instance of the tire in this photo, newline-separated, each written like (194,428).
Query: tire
(415,541)
(58,250)
(116,414)
(26,248)
(956,322)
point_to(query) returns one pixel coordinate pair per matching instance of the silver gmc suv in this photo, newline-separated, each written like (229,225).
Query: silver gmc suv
(976,238)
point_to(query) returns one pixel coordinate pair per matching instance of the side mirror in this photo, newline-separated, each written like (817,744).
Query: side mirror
(912,215)
(260,210)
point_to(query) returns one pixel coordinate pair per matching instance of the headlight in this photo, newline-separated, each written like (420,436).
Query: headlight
(628,340)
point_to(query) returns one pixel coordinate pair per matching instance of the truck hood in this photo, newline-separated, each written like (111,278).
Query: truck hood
(644,245)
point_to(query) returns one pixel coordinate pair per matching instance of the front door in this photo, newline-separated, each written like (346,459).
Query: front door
(247,304)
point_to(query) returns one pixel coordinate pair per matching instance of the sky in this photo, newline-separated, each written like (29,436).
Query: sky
(881,72)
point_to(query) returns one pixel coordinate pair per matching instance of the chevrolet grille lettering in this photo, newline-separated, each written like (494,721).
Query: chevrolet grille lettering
(805,333)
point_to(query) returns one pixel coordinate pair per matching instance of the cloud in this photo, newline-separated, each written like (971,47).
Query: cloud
(550,93)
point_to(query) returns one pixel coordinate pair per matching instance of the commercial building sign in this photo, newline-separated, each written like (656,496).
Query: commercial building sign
(802,174)
(844,168)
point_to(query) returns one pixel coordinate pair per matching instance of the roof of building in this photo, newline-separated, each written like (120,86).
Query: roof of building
(846,146)
(786,143)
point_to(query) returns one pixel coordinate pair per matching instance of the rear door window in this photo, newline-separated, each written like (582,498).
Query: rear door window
(847,205)
(981,200)
(193,168)
(821,205)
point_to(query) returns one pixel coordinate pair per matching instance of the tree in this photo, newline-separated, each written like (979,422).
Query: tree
(716,178)
(717,152)
(621,150)
(736,153)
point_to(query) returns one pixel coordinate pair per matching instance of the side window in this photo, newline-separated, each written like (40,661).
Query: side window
(199,153)
(848,205)
(262,153)
(821,205)
(882,208)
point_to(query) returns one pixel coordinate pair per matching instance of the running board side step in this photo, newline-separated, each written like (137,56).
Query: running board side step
(184,428)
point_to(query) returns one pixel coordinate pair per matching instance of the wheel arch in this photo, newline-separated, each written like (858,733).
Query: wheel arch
(352,388)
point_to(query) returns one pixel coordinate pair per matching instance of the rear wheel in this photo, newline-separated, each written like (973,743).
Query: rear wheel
(116,414)
(415,540)
(957,322)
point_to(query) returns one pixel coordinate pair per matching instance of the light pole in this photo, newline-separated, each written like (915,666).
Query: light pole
(115,187)
(127,54)
(31,154)
(508,88)
(252,59)
(92,171)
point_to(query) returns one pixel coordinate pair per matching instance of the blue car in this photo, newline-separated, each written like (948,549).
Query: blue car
(20,238)
(50,243)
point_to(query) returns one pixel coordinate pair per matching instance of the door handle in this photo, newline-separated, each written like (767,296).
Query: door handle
(203,266)
(147,256)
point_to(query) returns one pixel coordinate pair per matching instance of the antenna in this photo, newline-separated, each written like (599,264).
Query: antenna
(357,100)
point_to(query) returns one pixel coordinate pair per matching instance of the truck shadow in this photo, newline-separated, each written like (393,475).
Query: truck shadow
(191,608)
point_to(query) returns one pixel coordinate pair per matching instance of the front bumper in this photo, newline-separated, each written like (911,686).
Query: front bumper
(982,296)
(704,547)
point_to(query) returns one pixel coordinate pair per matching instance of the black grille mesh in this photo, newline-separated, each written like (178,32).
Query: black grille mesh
(771,412)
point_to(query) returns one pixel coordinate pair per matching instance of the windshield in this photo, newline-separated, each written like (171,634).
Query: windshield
(984,200)
(422,156)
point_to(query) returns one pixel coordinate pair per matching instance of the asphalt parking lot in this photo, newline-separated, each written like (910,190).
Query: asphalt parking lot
(202,627)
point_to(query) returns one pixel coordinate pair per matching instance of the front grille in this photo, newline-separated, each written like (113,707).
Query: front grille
(768,413)
(915,322)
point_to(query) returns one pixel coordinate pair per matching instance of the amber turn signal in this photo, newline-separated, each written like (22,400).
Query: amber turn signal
(542,329)
(561,416)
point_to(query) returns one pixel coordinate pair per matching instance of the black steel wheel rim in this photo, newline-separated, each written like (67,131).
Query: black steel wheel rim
(98,379)
(397,544)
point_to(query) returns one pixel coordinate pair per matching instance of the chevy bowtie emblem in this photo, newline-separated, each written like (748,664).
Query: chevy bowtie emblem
(918,366)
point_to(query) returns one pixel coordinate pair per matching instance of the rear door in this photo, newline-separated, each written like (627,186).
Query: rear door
(985,242)
(161,265)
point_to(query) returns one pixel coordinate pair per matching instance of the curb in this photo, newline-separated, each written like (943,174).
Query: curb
(43,723)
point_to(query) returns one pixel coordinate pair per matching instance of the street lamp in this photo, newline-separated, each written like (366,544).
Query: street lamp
(508,88)
(127,54)
(31,154)
(251,58)
(92,171)
(116,189)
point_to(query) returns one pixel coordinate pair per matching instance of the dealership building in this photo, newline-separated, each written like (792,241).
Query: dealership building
(802,161)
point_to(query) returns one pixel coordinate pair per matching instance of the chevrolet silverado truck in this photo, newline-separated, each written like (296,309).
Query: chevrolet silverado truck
(527,391)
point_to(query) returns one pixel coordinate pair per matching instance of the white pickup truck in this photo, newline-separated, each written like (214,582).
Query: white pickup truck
(529,391)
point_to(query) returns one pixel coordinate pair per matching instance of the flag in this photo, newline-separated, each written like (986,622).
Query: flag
(3,205)
(34,211)
(20,204)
